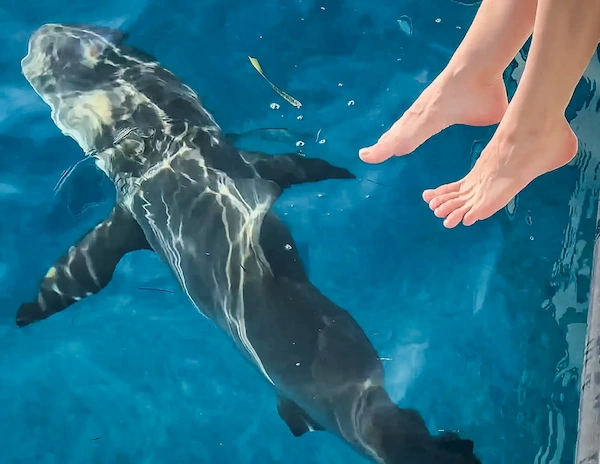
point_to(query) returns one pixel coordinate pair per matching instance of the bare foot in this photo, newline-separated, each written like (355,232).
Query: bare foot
(450,99)
(512,159)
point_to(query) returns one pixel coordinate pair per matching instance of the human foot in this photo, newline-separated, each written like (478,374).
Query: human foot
(452,98)
(512,159)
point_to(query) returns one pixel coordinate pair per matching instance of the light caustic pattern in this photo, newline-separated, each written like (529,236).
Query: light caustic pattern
(87,106)
(243,250)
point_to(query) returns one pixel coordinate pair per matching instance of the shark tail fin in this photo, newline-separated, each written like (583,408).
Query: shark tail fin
(451,443)
(401,435)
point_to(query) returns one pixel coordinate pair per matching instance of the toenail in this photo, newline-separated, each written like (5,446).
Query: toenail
(364,153)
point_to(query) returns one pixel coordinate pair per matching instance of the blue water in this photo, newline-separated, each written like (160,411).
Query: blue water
(481,328)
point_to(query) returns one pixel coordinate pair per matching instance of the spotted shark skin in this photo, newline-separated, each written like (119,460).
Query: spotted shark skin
(185,192)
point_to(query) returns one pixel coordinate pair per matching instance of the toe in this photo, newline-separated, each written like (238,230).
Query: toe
(395,142)
(450,206)
(436,202)
(374,155)
(366,154)
(383,150)
(455,217)
(429,194)
(471,217)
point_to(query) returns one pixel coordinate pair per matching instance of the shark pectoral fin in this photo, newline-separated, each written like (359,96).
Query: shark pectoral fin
(298,421)
(290,169)
(86,268)
(258,193)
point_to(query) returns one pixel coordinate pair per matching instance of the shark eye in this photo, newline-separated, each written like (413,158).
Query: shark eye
(93,51)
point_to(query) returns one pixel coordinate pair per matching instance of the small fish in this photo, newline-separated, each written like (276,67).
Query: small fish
(84,208)
(287,97)
(155,289)
(375,182)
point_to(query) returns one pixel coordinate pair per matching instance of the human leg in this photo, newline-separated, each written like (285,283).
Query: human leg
(534,136)
(470,90)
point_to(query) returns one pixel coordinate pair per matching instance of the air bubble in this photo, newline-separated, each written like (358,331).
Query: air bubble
(299,143)
(438,20)
(340,84)
(299,117)
(320,195)
(275,106)
(351,103)
(322,141)
(288,246)
(406,25)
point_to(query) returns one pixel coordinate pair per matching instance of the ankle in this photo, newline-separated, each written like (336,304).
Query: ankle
(525,117)
(517,127)
(471,73)
(537,103)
